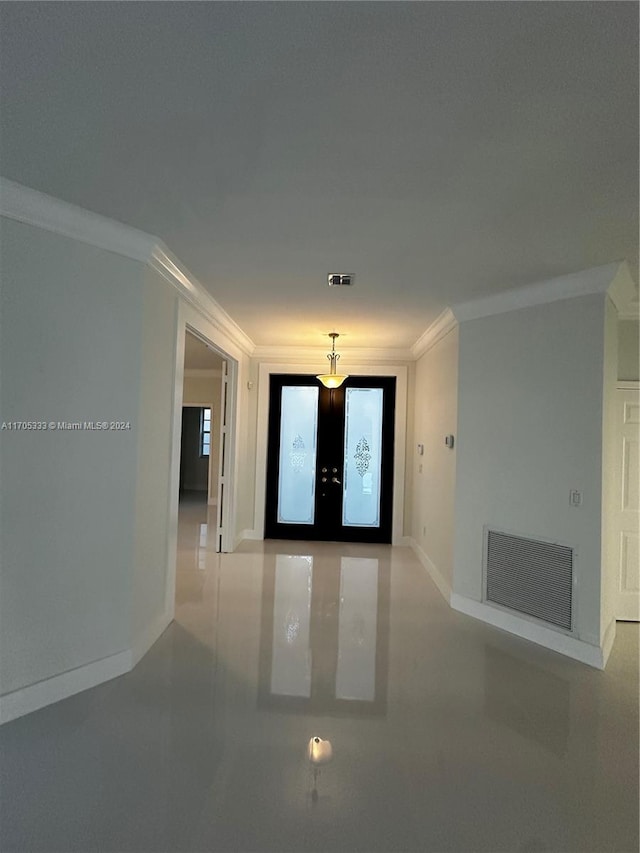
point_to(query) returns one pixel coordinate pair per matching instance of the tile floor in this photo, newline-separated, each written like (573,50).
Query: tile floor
(446,734)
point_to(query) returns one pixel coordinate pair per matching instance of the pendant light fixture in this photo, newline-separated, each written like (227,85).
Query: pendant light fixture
(332,379)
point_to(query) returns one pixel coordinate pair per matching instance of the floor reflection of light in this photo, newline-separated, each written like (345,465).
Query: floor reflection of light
(201,549)
(357,633)
(319,752)
(291,654)
(292,626)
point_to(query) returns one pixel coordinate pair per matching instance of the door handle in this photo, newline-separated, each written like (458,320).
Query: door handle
(336,480)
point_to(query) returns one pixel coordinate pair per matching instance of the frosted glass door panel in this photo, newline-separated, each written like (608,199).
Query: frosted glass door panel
(291,660)
(298,442)
(362,457)
(357,631)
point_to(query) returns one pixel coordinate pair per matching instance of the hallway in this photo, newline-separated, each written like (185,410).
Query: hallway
(447,734)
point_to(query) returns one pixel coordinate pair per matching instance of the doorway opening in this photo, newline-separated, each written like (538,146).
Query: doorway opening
(203,375)
(205,394)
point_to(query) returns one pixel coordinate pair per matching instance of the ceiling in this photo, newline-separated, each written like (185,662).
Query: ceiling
(198,356)
(440,151)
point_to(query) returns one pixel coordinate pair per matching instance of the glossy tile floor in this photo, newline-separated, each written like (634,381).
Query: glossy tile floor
(447,735)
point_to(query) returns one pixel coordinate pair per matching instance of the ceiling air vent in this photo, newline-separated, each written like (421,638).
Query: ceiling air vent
(340,280)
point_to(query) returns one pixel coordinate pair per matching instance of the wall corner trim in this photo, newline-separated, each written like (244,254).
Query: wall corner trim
(624,294)
(440,327)
(584,283)
(148,637)
(572,647)
(607,641)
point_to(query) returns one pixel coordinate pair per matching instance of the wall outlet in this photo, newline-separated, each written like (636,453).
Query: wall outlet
(575,497)
(420,468)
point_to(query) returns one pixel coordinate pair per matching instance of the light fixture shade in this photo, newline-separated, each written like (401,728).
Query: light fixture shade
(332,380)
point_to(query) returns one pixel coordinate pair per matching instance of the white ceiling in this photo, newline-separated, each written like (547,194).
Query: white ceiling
(198,356)
(439,151)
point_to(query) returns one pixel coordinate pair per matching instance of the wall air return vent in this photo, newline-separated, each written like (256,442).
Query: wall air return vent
(530,577)
(340,279)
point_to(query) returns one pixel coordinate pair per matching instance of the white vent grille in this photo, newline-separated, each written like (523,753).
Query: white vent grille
(530,577)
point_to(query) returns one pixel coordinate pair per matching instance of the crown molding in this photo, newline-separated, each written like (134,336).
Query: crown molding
(440,327)
(317,355)
(52,214)
(624,293)
(583,283)
(166,263)
(68,220)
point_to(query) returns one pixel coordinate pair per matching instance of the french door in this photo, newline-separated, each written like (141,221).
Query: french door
(330,459)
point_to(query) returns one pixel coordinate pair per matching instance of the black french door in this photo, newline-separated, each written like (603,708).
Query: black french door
(330,459)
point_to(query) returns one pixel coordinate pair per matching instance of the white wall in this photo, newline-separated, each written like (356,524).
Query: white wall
(529,431)
(69,350)
(409,456)
(157,333)
(610,578)
(93,329)
(628,351)
(434,473)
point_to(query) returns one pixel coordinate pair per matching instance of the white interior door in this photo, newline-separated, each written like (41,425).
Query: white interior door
(626,516)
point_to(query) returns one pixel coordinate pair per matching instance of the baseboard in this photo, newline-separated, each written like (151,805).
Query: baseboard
(43,693)
(433,572)
(241,536)
(547,637)
(251,534)
(148,637)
